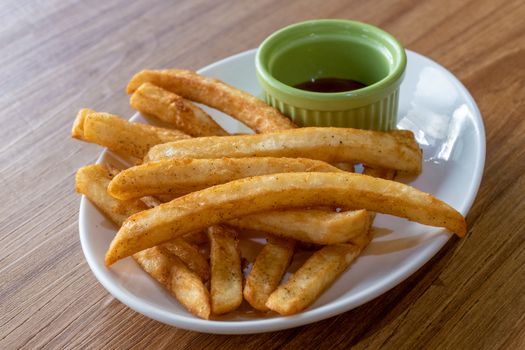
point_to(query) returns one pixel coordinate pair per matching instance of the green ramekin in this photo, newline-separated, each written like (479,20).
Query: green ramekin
(326,49)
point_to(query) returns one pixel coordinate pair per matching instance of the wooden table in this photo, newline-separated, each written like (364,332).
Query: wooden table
(58,56)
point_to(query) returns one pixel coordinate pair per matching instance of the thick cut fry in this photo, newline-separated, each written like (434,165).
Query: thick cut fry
(313,226)
(393,150)
(181,176)
(199,237)
(190,291)
(387,174)
(77,132)
(157,263)
(121,136)
(238,198)
(165,267)
(171,108)
(226,274)
(246,108)
(308,225)
(314,277)
(267,271)
(173,274)
(345,166)
(92,181)
(190,255)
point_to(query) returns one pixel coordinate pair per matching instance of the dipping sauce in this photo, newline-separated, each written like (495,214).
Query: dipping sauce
(330,85)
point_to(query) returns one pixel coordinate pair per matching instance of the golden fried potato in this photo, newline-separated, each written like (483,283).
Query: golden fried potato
(190,291)
(77,132)
(181,176)
(381,173)
(165,267)
(173,109)
(173,274)
(92,181)
(238,198)
(393,150)
(190,255)
(314,277)
(345,166)
(267,271)
(226,274)
(248,109)
(308,225)
(198,238)
(119,135)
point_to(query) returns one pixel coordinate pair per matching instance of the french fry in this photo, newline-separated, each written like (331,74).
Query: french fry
(308,225)
(77,132)
(314,277)
(315,226)
(238,198)
(165,267)
(173,274)
(194,238)
(190,291)
(388,174)
(190,255)
(226,274)
(267,271)
(171,108)
(183,176)
(92,181)
(345,166)
(198,238)
(392,150)
(246,108)
(119,135)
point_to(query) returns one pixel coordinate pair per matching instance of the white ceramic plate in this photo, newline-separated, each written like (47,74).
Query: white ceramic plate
(449,127)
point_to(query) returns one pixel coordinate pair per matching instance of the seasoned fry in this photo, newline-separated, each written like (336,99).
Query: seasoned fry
(226,274)
(387,174)
(190,255)
(257,194)
(173,274)
(314,277)
(392,150)
(345,166)
(166,268)
(246,108)
(121,136)
(192,239)
(267,271)
(181,176)
(199,237)
(171,108)
(308,225)
(314,226)
(190,291)
(77,132)
(92,181)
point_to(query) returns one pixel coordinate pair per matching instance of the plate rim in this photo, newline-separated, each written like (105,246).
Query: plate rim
(309,316)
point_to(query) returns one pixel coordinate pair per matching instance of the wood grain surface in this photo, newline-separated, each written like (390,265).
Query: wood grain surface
(58,56)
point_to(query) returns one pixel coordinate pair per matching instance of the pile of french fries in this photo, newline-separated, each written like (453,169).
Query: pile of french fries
(192,188)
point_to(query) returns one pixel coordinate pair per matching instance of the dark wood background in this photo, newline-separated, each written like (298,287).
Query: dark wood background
(58,56)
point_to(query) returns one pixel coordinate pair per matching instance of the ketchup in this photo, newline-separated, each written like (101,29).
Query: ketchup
(330,85)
